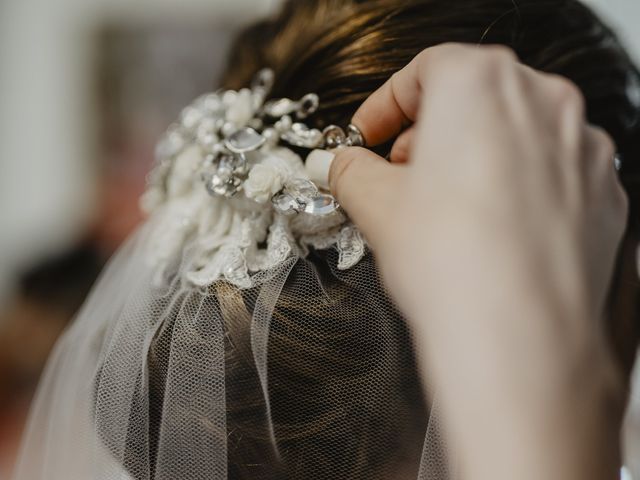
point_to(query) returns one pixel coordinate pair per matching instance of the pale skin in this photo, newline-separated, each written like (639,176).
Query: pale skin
(496,226)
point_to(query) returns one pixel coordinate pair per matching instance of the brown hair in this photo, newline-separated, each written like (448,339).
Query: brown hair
(343,50)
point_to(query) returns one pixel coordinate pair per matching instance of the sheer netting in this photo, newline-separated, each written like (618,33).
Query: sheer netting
(309,373)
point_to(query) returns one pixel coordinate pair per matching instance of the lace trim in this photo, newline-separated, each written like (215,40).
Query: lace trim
(237,240)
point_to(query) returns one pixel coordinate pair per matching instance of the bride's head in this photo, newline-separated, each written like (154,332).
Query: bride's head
(345,399)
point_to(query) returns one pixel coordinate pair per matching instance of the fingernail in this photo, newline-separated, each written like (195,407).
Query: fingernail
(317,166)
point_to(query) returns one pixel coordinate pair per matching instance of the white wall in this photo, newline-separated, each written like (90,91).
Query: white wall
(624,15)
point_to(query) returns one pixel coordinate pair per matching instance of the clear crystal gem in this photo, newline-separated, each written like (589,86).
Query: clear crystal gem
(321,205)
(223,183)
(236,163)
(244,140)
(224,173)
(334,136)
(354,136)
(285,204)
(617,162)
(302,190)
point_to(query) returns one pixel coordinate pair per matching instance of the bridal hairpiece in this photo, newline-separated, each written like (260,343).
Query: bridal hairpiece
(232,129)
(227,178)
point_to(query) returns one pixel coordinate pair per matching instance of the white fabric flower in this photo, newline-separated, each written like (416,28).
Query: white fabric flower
(264,182)
(290,164)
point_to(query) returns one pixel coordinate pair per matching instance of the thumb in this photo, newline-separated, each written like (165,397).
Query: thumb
(366,186)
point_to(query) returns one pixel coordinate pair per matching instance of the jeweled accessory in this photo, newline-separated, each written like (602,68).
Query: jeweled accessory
(235,132)
(229,182)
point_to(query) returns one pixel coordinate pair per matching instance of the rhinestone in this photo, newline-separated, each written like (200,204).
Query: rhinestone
(224,174)
(223,183)
(354,136)
(236,163)
(334,136)
(225,162)
(244,140)
(285,204)
(302,190)
(321,205)
(617,162)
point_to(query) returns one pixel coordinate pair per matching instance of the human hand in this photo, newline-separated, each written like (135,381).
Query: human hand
(496,224)
(504,146)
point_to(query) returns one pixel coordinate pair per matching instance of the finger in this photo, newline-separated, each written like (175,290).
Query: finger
(365,185)
(402,146)
(388,110)
(391,108)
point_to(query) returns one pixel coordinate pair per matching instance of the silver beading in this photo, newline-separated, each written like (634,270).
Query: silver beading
(232,129)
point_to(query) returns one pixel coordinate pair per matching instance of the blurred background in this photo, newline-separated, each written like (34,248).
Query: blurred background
(86,87)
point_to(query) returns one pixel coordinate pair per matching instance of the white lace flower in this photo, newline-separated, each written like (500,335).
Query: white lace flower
(264,182)
(236,239)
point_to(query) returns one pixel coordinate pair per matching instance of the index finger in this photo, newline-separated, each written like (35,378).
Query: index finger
(394,106)
(388,110)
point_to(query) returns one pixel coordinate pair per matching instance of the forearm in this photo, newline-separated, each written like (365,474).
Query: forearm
(521,367)
(516,406)
(500,431)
